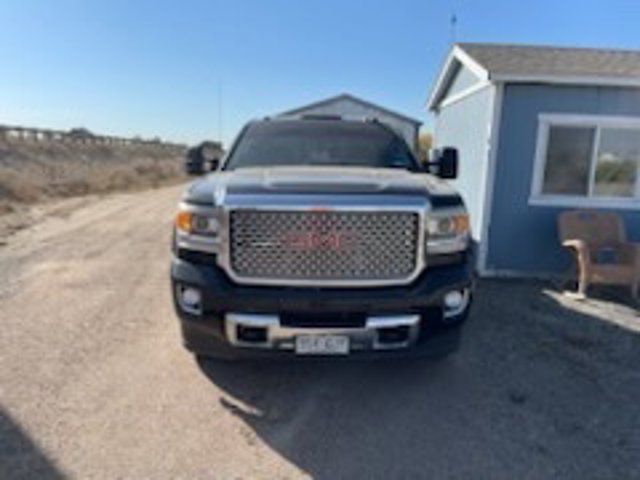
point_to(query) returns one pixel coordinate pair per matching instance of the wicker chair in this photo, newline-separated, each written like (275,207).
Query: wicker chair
(602,252)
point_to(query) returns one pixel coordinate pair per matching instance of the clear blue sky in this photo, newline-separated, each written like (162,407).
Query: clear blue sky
(156,67)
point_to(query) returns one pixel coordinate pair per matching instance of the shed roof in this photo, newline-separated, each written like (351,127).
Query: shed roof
(496,62)
(352,98)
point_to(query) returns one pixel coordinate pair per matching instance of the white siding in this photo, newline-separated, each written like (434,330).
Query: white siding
(465,126)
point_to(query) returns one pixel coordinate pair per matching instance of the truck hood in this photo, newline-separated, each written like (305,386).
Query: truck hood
(312,180)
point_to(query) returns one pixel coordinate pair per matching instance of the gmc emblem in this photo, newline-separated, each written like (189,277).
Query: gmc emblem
(333,241)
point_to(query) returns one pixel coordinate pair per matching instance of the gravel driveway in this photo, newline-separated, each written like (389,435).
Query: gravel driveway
(95,384)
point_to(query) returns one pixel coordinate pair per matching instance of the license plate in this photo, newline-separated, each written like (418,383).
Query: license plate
(322,345)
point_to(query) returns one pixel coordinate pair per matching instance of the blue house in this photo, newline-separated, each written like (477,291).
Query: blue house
(539,130)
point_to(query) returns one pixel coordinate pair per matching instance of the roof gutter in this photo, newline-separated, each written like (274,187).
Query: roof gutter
(568,80)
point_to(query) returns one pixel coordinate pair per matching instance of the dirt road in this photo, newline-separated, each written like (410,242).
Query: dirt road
(95,384)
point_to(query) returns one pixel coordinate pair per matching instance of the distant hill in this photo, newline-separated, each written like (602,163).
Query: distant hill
(32,171)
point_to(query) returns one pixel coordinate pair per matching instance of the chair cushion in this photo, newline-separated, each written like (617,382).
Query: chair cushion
(612,274)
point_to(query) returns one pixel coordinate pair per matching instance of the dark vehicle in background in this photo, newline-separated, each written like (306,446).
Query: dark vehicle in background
(322,237)
(203,158)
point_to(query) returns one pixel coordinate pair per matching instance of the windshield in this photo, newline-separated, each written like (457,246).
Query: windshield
(319,143)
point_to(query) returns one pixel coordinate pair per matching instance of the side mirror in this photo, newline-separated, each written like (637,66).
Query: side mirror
(445,161)
(214,164)
(448,163)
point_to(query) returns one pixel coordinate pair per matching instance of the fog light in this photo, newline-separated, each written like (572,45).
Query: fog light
(455,302)
(190,299)
(191,296)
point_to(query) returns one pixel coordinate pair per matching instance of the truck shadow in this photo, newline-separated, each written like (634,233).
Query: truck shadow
(20,457)
(537,391)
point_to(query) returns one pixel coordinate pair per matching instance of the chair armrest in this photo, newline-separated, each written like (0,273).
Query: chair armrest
(580,248)
(576,244)
(630,253)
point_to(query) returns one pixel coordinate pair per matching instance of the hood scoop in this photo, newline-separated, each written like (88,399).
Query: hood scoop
(318,181)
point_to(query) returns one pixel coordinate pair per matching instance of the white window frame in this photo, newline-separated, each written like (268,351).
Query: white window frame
(548,120)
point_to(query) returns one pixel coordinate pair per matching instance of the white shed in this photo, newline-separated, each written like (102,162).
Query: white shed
(348,106)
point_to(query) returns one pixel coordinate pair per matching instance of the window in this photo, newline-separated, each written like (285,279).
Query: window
(320,143)
(587,161)
(617,163)
(567,163)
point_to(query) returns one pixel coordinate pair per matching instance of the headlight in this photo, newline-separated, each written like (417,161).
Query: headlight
(447,232)
(197,223)
(197,228)
(449,225)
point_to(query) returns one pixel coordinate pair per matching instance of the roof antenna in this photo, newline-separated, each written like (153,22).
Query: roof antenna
(453,23)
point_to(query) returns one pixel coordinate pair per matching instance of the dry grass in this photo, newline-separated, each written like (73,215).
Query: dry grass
(33,172)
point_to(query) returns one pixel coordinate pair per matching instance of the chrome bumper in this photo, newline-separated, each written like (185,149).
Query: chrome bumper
(280,337)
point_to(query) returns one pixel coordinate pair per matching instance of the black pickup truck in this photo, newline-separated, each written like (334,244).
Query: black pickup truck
(322,237)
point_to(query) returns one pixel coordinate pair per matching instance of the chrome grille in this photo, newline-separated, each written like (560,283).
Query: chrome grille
(324,246)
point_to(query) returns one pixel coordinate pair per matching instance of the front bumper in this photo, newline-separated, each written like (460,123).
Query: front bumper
(284,313)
